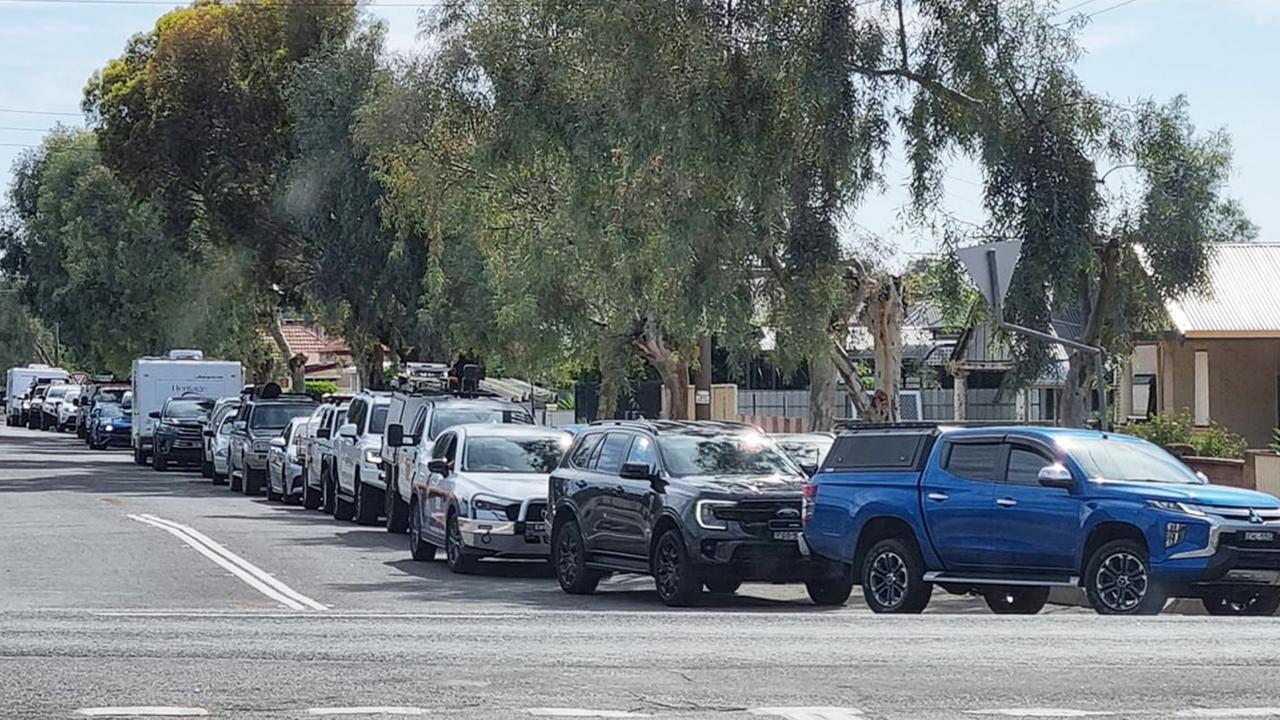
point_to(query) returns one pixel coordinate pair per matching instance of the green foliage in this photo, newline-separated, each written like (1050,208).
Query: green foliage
(1177,428)
(1275,441)
(317,389)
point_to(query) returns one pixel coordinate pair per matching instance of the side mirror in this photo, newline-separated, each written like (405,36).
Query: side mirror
(636,471)
(1056,476)
(278,442)
(323,433)
(154,414)
(347,431)
(438,466)
(240,426)
(395,435)
(1204,479)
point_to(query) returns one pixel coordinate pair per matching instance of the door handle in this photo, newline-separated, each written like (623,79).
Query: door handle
(1006,502)
(937,496)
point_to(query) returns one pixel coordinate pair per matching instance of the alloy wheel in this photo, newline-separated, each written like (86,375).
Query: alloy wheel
(889,579)
(567,556)
(1122,581)
(668,567)
(453,548)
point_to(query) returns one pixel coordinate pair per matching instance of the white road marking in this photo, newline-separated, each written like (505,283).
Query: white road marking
(1258,712)
(252,575)
(142,711)
(371,710)
(809,713)
(1040,712)
(583,713)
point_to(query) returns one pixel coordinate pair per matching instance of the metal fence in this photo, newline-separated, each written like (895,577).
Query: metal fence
(936,404)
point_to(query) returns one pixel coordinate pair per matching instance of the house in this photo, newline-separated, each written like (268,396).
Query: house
(1221,358)
(327,358)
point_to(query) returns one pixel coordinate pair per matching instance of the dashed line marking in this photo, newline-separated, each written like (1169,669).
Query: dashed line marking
(142,711)
(369,710)
(250,574)
(583,713)
(809,713)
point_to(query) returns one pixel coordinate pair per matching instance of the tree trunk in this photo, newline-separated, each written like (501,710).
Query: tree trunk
(607,357)
(282,346)
(853,387)
(1073,405)
(673,369)
(883,314)
(822,387)
(1082,374)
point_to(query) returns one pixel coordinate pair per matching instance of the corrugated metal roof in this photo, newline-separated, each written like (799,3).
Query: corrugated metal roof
(1240,299)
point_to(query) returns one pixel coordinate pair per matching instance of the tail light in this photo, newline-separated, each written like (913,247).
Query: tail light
(810,496)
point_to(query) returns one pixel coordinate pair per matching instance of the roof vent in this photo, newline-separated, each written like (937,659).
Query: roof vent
(186,354)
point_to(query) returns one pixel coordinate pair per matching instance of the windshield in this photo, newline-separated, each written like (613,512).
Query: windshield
(806,452)
(378,420)
(513,455)
(1129,461)
(111,395)
(186,409)
(447,417)
(728,454)
(55,393)
(110,411)
(276,416)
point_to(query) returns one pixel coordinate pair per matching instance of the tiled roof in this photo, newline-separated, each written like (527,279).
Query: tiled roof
(309,340)
(1239,300)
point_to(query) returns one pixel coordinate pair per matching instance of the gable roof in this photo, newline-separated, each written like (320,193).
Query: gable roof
(1239,299)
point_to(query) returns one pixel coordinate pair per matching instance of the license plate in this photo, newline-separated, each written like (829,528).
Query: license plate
(787,535)
(1259,537)
(535,529)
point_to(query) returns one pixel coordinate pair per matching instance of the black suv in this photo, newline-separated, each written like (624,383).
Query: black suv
(264,412)
(692,503)
(179,434)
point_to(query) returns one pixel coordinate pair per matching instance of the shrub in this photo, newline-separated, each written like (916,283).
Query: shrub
(319,388)
(1219,442)
(1177,428)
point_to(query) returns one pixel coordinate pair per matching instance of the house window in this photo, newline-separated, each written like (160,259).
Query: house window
(1201,413)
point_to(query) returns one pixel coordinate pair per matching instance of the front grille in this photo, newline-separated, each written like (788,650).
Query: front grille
(1245,514)
(757,516)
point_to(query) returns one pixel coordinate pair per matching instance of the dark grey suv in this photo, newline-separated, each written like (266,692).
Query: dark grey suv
(695,504)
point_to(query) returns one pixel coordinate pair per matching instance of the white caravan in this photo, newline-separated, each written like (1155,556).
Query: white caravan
(156,379)
(18,380)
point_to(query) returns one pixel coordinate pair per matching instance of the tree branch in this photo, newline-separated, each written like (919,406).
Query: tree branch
(928,83)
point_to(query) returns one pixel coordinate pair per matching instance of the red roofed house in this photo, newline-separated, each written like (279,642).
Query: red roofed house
(328,358)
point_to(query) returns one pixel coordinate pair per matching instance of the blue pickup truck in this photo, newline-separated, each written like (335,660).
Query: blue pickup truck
(1010,512)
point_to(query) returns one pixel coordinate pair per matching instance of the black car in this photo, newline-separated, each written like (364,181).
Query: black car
(692,503)
(179,434)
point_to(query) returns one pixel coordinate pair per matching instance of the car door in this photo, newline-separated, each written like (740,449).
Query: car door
(605,528)
(406,455)
(436,502)
(568,484)
(959,501)
(1038,526)
(637,500)
(345,448)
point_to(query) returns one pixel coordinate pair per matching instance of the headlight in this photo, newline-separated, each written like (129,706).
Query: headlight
(1177,507)
(372,457)
(495,507)
(26,404)
(705,514)
(108,427)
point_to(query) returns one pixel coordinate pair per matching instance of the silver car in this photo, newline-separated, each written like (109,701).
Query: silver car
(220,448)
(483,493)
(226,406)
(284,460)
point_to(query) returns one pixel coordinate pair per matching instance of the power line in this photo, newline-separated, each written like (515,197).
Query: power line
(23,129)
(38,112)
(1077,6)
(18,145)
(1113,7)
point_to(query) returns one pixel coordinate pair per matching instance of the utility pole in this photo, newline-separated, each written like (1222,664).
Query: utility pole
(702,382)
(57,344)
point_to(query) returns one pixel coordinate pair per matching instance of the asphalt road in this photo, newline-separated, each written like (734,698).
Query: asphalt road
(125,591)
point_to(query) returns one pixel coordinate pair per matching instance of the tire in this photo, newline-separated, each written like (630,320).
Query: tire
(893,578)
(311,497)
(834,590)
(1016,600)
(342,509)
(249,484)
(327,492)
(419,548)
(674,576)
(159,462)
(272,495)
(460,560)
(397,510)
(1135,594)
(236,482)
(218,479)
(367,506)
(722,585)
(138,457)
(1247,603)
(206,467)
(569,560)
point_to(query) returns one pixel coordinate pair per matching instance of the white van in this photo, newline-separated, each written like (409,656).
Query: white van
(156,379)
(18,380)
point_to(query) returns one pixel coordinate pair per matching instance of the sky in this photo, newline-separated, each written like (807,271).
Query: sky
(1221,54)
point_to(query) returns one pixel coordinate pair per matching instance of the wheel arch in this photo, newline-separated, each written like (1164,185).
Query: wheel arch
(1105,532)
(883,527)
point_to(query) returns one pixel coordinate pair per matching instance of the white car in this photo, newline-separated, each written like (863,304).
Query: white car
(284,461)
(484,494)
(317,471)
(220,448)
(357,453)
(52,402)
(69,408)
(223,408)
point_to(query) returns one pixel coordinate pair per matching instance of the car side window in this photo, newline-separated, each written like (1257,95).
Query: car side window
(581,457)
(451,450)
(1024,466)
(442,444)
(642,452)
(975,461)
(612,451)
(355,415)
(419,421)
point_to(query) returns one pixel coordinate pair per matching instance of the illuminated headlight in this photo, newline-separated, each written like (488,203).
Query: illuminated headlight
(1176,507)
(705,512)
(372,457)
(108,427)
(1174,533)
(484,508)
(26,404)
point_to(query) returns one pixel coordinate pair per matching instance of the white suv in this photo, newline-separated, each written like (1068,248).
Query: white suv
(357,451)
